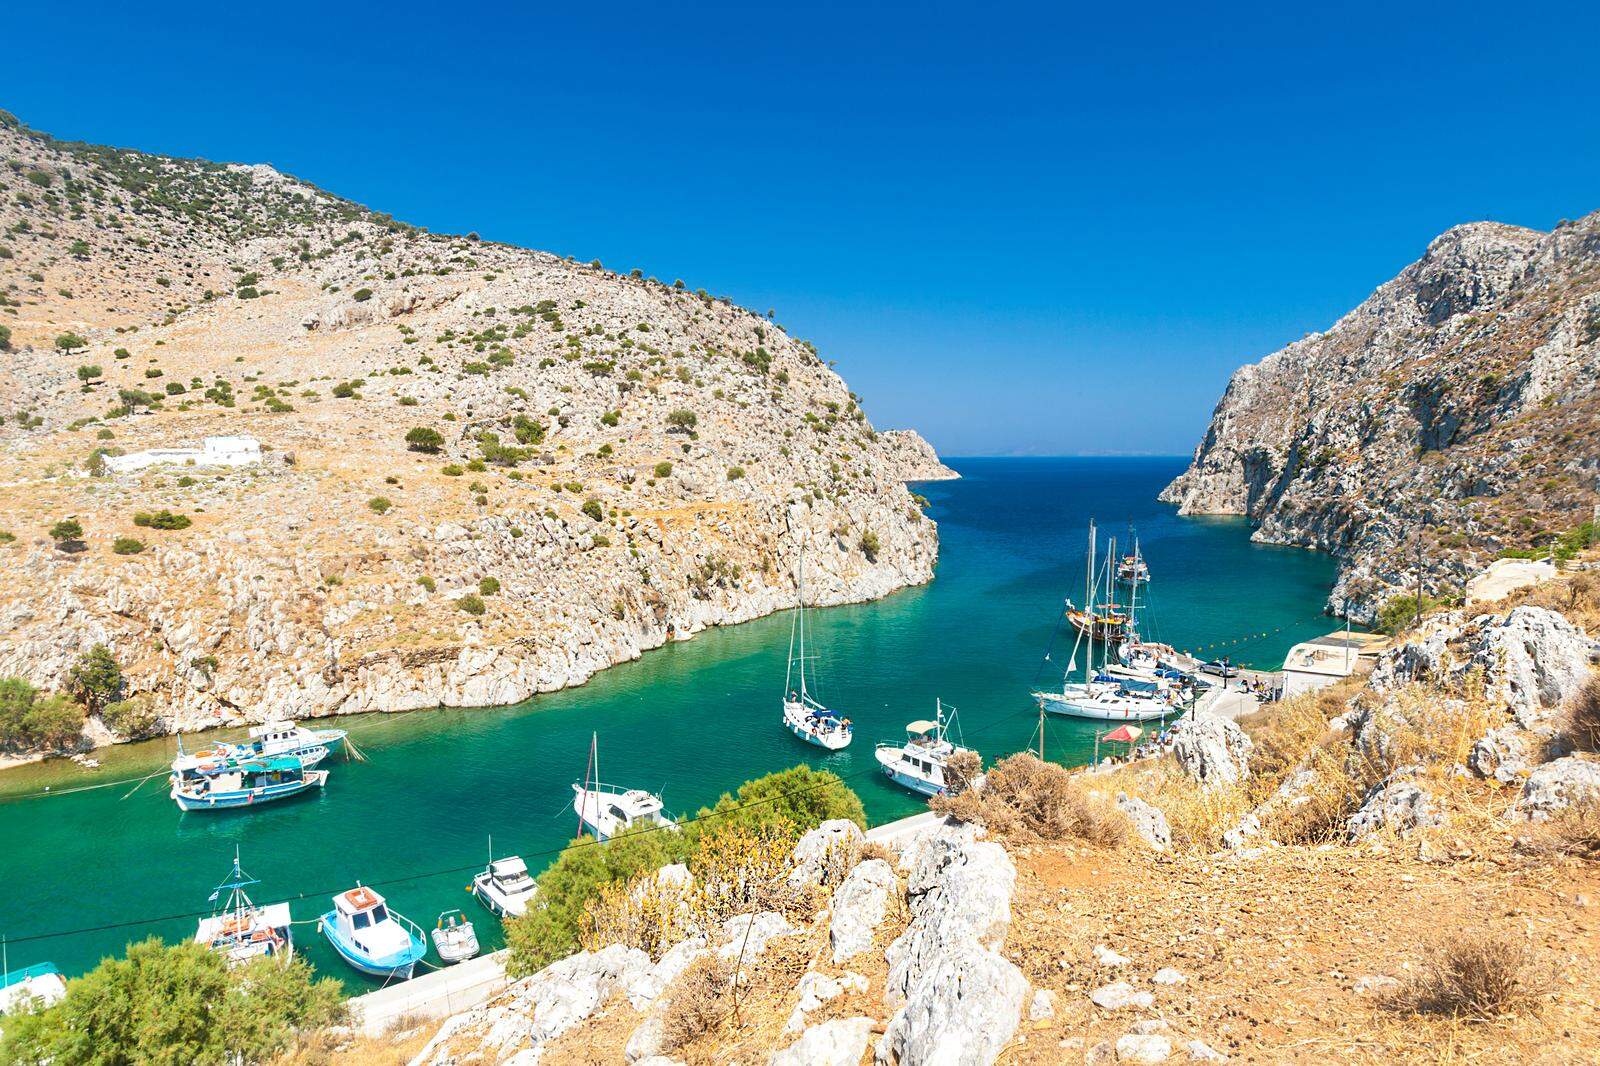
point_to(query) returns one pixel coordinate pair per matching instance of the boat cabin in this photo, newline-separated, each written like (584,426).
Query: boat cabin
(363,918)
(510,875)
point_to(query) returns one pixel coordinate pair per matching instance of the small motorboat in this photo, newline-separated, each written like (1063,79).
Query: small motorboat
(803,715)
(919,763)
(454,938)
(227,785)
(370,937)
(267,741)
(239,930)
(606,810)
(505,887)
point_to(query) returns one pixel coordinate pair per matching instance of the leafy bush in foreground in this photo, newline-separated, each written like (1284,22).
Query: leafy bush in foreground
(178,1004)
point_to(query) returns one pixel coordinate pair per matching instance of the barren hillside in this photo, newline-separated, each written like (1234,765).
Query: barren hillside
(617,460)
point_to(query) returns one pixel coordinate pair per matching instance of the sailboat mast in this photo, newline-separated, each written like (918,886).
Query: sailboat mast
(1088,596)
(802,616)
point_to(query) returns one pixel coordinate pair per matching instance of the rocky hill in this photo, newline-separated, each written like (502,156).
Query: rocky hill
(602,462)
(1451,417)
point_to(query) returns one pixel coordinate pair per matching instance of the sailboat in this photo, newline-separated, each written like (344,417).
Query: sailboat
(239,930)
(1105,621)
(606,810)
(804,716)
(1101,694)
(919,763)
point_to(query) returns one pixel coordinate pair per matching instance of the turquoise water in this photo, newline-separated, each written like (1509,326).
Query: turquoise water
(691,720)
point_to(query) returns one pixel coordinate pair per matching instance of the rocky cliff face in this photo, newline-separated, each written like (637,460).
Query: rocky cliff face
(1450,416)
(619,461)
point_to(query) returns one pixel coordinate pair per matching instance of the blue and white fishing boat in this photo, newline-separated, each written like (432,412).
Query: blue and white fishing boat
(919,763)
(247,783)
(372,938)
(239,930)
(606,810)
(804,716)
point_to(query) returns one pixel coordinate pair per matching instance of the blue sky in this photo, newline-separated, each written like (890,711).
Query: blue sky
(1021,229)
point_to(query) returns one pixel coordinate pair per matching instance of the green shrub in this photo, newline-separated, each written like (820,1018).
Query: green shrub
(611,418)
(70,341)
(89,372)
(452,470)
(683,420)
(663,469)
(344,390)
(133,718)
(361,295)
(379,504)
(428,583)
(797,799)
(592,508)
(869,544)
(127,546)
(489,586)
(5,338)
(735,473)
(28,720)
(162,519)
(550,930)
(471,604)
(175,1004)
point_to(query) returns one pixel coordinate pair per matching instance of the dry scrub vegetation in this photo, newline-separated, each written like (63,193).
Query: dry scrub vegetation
(1024,798)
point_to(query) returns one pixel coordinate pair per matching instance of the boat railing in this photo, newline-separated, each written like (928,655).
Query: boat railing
(416,930)
(38,969)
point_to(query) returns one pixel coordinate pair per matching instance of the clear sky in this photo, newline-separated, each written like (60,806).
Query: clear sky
(1020,229)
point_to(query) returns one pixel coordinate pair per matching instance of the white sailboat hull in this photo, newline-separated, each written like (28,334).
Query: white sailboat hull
(830,733)
(1103,708)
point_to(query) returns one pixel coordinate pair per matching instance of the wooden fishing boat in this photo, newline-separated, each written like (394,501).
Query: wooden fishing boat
(370,937)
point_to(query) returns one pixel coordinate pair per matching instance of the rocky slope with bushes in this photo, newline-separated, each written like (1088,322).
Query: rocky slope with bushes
(487,472)
(1447,419)
(1397,868)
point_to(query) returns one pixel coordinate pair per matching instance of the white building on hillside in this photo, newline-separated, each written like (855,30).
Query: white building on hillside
(214,451)
(1318,663)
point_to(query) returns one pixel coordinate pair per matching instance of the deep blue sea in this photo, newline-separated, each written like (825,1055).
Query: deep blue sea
(691,720)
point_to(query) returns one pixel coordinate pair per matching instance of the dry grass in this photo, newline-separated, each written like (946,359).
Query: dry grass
(1480,976)
(1581,729)
(700,1001)
(396,1047)
(1026,798)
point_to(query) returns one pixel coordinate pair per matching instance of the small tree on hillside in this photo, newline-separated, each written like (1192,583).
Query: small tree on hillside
(95,679)
(67,533)
(683,420)
(68,342)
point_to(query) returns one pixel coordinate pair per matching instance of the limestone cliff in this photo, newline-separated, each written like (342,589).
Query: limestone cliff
(618,460)
(1452,415)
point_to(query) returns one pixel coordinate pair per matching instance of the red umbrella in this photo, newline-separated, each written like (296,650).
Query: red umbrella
(1125,734)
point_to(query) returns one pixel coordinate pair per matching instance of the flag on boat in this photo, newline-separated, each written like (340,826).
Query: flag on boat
(1124,734)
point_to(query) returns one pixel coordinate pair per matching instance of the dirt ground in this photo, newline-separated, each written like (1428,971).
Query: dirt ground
(1273,949)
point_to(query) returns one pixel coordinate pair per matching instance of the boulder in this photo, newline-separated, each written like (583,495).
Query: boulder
(825,851)
(1150,823)
(815,989)
(1212,750)
(745,936)
(1557,785)
(1398,805)
(836,1043)
(1500,754)
(858,908)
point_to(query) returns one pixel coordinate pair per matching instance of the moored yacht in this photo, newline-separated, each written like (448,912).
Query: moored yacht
(919,764)
(270,740)
(239,930)
(606,810)
(505,887)
(803,715)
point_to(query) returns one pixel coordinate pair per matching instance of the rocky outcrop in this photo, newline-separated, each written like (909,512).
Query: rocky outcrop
(1150,823)
(826,852)
(956,999)
(837,1043)
(859,905)
(1211,749)
(1443,419)
(1398,806)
